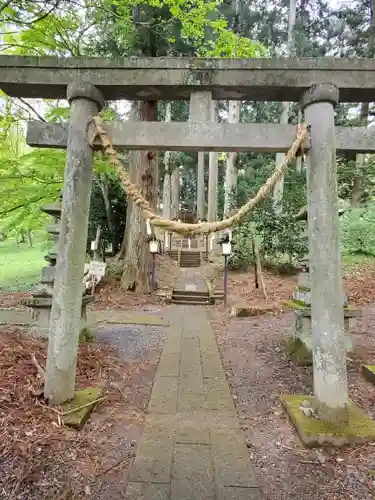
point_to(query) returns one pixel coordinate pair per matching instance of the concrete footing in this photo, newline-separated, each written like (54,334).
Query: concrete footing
(314,432)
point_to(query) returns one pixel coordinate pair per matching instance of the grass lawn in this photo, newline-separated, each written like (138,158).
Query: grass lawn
(20,267)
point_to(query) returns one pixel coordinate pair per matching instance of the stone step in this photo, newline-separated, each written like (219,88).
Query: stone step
(196,293)
(189,303)
(190,298)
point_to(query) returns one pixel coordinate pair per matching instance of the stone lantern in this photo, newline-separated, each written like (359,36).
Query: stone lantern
(301,302)
(41,300)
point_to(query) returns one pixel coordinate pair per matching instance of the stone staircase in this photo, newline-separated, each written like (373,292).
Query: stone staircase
(186,258)
(190,297)
(190,258)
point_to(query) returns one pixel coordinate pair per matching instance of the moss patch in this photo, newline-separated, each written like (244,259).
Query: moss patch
(302,288)
(368,371)
(244,311)
(77,419)
(295,304)
(85,335)
(297,350)
(314,432)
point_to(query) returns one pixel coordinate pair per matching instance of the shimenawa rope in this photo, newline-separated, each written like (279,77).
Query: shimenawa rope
(202,227)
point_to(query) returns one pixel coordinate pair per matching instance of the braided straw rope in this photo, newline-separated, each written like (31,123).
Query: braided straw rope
(202,227)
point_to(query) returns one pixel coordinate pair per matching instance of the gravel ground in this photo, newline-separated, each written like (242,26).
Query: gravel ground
(132,342)
(258,370)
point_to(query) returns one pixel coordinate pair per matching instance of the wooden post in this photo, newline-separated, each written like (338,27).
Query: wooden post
(85,100)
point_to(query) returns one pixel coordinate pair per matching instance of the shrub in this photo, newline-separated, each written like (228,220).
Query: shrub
(358,231)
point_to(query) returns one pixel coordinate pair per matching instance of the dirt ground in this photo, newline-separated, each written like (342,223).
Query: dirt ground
(258,370)
(39,459)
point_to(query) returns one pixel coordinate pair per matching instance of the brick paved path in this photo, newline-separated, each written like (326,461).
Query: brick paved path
(192,446)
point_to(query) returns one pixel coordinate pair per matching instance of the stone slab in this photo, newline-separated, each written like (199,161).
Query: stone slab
(153,462)
(16,317)
(231,459)
(167,78)
(143,491)
(77,419)
(169,365)
(212,366)
(368,372)
(192,474)
(233,493)
(218,396)
(164,395)
(125,318)
(192,442)
(315,433)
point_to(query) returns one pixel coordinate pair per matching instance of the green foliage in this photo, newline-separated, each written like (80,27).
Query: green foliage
(242,256)
(357,231)
(99,216)
(279,232)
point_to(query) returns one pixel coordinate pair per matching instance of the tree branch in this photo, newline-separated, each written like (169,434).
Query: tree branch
(30,202)
(32,109)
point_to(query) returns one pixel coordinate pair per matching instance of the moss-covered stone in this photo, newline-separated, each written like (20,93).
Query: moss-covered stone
(298,351)
(85,335)
(368,372)
(82,397)
(295,304)
(315,432)
(302,288)
(243,311)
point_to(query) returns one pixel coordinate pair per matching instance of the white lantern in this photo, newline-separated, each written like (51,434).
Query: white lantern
(154,246)
(226,248)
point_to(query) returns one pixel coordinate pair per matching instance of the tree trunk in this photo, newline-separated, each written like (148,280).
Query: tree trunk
(357,188)
(30,238)
(167,170)
(132,175)
(175,193)
(213,174)
(231,170)
(201,202)
(136,274)
(103,183)
(280,157)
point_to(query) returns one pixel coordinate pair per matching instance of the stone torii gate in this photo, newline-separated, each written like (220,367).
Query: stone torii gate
(86,83)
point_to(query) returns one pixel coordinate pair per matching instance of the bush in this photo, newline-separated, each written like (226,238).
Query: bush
(280,232)
(358,231)
(242,256)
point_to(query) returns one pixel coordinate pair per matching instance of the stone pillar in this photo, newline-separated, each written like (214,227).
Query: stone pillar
(212,175)
(85,100)
(329,355)
(200,110)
